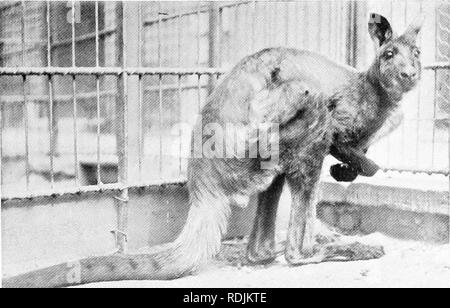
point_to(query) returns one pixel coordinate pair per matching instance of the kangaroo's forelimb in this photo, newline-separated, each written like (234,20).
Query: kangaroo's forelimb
(354,161)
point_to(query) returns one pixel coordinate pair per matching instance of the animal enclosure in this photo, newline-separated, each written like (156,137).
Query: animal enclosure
(92,93)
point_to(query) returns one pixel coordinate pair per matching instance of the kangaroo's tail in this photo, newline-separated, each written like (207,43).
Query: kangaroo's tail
(198,242)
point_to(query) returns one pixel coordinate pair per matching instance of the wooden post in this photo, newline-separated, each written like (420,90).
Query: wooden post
(121,135)
(127,110)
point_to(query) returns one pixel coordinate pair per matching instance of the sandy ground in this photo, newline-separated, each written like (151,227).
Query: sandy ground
(406,264)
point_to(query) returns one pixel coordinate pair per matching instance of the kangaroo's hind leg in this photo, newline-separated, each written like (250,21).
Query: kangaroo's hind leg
(301,246)
(301,235)
(261,246)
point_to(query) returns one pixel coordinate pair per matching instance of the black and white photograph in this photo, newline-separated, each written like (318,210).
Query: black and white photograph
(218,147)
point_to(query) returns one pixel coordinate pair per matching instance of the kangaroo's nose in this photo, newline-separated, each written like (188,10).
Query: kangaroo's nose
(408,74)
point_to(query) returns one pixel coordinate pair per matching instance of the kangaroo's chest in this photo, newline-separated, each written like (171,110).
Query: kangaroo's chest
(357,119)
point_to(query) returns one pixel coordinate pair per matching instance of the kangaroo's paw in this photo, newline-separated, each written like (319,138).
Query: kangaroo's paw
(343,173)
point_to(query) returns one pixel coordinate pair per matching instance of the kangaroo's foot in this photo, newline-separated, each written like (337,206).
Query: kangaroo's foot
(261,245)
(261,252)
(339,252)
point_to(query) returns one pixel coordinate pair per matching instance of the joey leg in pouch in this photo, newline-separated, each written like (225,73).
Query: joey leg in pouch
(261,246)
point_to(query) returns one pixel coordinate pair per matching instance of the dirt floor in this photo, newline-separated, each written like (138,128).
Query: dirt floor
(406,264)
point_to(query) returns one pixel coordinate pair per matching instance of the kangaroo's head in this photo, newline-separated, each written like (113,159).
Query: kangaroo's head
(397,65)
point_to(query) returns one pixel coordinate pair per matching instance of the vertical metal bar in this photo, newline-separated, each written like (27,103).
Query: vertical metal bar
(389,137)
(220,37)
(199,97)
(297,14)
(340,24)
(198,33)
(22,30)
(1,145)
(212,42)
(287,20)
(319,19)
(433,138)
(307,26)
(269,24)
(252,44)
(97,88)
(403,124)
(25,104)
(179,91)
(26,128)
(180,119)
(198,58)
(74,93)
(1,152)
(50,95)
(331,26)
(448,142)
(160,125)
(160,93)
(140,94)
(419,95)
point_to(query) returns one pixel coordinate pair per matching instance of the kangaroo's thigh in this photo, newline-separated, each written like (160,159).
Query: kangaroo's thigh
(261,247)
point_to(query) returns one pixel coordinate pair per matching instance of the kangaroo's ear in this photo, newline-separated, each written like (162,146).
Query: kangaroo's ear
(413,29)
(380,29)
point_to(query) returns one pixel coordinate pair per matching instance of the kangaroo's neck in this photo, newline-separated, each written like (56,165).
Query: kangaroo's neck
(362,106)
(385,97)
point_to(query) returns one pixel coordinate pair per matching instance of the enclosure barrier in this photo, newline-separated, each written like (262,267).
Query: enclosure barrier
(126,37)
(129,71)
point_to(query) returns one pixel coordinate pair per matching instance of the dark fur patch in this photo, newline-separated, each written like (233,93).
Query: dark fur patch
(275,75)
(298,115)
(332,103)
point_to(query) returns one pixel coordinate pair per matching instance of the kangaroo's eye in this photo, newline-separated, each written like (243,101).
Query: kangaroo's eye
(416,52)
(389,54)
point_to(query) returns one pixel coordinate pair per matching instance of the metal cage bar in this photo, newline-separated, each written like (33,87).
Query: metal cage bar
(160,92)
(74,92)
(140,93)
(97,90)
(123,72)
(113,71)
(50,94)
(25,105)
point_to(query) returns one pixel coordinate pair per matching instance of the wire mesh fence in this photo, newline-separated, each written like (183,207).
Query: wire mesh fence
(91,91)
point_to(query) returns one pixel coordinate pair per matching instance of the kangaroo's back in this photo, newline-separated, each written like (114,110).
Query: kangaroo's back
(267,68)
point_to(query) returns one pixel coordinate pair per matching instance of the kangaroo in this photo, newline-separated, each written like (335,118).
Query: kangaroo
(322,108)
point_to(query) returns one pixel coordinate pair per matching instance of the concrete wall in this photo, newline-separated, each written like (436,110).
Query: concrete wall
(39,233)
(45,233)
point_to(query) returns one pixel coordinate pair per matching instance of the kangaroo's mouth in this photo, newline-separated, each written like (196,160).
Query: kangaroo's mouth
(399,84)
(408,84)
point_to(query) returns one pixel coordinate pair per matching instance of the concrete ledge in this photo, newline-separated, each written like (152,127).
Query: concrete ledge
(417,193)
(413,207)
